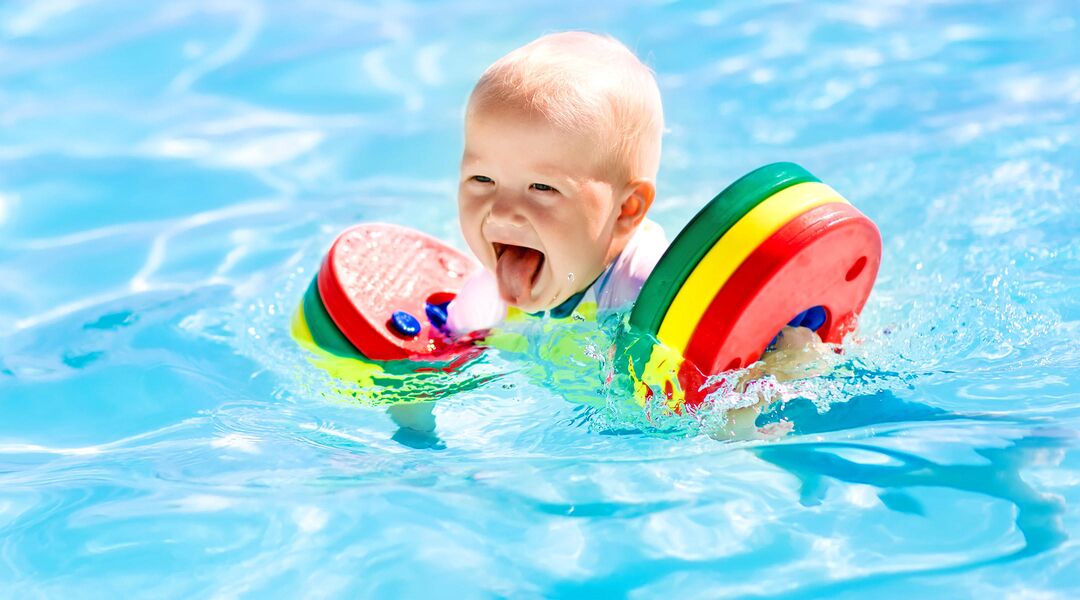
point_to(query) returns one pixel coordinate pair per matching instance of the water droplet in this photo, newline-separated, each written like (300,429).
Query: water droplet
(570,277)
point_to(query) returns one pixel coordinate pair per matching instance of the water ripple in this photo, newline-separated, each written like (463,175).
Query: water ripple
(170,176)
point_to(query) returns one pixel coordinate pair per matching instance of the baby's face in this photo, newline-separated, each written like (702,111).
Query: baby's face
(535,207)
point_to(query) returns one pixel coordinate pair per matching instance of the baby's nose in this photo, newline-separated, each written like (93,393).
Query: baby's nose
(505,213)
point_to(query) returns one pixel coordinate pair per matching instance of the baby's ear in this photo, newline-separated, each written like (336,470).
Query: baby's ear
(636,201)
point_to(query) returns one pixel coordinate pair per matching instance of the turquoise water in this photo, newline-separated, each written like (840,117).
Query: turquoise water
(170,175)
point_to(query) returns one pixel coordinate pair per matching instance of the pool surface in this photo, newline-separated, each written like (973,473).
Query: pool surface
(171,174)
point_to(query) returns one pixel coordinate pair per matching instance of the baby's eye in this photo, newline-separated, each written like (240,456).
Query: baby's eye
(543,187)
(482,179)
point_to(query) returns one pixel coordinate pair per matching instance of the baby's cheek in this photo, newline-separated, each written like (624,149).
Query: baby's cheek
(585,255)
(470,230)
(467,211)
(567,232)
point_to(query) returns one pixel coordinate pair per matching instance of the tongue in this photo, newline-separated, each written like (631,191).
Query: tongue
(515,270)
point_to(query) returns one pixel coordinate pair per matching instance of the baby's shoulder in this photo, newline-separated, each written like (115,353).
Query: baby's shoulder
(621,284)
(649,242)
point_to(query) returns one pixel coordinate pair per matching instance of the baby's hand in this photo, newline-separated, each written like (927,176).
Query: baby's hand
(797,353)
(477,306)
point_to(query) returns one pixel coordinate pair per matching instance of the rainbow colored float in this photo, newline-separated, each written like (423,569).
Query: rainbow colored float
(373,283)
(776,247)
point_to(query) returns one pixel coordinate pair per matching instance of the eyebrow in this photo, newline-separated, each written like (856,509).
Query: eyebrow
(549,169)
(545,170)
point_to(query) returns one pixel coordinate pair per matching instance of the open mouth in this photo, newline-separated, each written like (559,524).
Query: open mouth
(517,269)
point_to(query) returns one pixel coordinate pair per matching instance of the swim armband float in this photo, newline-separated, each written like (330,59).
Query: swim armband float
(778,246)
(381,295)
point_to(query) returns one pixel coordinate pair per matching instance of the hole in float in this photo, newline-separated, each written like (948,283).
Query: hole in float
(855,269)
(734,364)
(435,307)
(440,297)
(812,318)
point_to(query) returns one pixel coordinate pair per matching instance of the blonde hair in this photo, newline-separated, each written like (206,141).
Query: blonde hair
(586,84)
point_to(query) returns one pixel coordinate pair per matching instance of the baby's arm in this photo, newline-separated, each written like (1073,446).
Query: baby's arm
(416,416)
(476,307)
(797,353)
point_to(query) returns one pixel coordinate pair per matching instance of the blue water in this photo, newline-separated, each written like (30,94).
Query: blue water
(171,173)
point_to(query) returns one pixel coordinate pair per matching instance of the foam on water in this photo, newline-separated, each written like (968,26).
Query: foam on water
(171,174)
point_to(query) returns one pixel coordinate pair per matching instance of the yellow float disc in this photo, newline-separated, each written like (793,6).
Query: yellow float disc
(714,269)
(358,372)
(300,330)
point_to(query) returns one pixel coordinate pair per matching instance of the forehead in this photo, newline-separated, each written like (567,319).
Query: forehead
(528,141)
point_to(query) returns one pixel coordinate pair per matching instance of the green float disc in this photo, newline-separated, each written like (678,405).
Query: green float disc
(708,226)
(324,332)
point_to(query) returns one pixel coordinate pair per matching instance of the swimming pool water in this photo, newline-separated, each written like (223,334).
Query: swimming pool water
(171,173)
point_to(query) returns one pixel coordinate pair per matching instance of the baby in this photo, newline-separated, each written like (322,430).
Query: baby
(562,147)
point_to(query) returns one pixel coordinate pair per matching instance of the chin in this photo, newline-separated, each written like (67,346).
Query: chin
(529,305)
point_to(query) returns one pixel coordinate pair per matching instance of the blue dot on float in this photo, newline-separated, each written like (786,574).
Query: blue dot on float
(404,323)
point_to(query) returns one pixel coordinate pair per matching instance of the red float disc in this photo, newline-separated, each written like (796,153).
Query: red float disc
(375,269)
(828,256)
